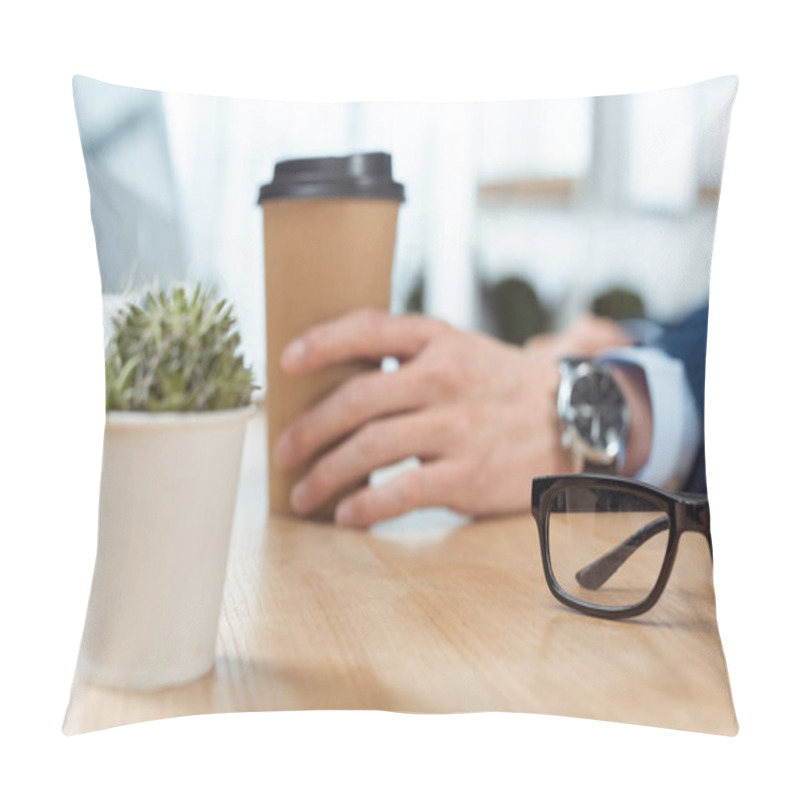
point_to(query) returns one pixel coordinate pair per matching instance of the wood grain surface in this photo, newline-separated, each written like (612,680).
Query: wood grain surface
(427,617)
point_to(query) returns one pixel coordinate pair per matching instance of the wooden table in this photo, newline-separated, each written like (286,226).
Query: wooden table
(426,617)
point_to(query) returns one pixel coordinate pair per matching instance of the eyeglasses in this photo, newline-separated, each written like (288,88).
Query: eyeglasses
(609,544)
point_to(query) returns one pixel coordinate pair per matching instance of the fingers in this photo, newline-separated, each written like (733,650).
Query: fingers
(430,485)
(375,445)
(591,335)
(364,334)
(364,397)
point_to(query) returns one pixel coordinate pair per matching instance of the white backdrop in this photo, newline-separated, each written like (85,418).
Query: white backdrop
(52,386)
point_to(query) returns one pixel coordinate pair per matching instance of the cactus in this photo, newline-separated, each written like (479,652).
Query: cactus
(176,353)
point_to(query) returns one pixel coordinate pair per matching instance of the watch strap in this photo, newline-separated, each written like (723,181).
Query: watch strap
(594,467)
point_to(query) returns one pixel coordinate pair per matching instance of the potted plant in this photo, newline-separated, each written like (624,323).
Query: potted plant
(178,398)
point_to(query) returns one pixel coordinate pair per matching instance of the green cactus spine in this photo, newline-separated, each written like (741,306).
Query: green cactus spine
(176,352)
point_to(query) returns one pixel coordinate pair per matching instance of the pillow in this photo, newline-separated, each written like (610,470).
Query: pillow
(345,345)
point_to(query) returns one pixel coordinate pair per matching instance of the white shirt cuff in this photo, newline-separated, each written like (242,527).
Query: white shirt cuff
(677,428)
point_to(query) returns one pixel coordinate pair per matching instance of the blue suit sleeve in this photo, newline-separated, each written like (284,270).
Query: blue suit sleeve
(686,341)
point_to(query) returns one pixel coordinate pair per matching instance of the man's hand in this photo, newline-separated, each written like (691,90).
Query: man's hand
(479,414)
(588,336)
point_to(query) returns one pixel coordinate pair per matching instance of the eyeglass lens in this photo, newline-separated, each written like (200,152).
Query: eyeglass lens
(607,546)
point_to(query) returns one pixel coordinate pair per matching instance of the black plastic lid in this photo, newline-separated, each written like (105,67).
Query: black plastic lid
(358,175)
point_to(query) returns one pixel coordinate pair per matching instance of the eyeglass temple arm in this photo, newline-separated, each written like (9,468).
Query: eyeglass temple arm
(594,575)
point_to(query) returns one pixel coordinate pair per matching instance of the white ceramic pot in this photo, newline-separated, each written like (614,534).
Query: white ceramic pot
(167,498)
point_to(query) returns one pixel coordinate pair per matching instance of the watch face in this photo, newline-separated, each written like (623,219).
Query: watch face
(598,410)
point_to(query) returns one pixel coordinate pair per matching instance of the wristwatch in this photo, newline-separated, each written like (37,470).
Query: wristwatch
(593,414)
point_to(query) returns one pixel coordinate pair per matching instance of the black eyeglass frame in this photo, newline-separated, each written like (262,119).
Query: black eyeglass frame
(685,511)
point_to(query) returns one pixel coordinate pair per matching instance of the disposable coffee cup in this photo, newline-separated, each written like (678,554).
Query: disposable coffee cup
(330,226)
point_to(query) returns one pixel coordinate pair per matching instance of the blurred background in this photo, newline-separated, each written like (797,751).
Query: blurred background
(519,215)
